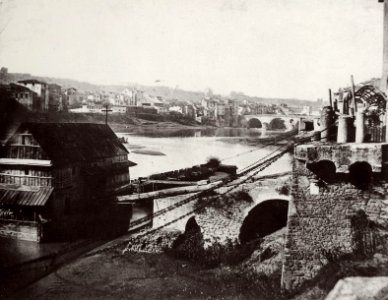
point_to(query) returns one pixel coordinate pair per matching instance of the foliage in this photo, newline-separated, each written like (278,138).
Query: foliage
(213,162)
(284,190)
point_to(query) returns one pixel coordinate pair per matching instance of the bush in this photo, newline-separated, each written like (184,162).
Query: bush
(213,162)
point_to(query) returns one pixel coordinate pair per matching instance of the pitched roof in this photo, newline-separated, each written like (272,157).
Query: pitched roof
(33,81)
(20,88)
(22,195)
(67,143)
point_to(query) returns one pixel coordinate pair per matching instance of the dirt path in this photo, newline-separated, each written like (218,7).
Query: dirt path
(111,275)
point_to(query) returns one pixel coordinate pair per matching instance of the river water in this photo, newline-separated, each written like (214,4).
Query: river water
(158,151)
(180,149)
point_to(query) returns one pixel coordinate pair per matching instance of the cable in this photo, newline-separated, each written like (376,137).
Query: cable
(189,199)
(262,163)
(244,171)
(268,162)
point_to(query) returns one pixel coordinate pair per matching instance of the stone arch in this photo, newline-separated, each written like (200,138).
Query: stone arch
(360,174)
(264,219)
(254,123)
(324,169)
(277,124)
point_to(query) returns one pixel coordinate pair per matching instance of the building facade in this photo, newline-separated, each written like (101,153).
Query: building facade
(58,177)
(41,89)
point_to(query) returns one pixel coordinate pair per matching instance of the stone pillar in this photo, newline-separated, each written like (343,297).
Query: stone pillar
(301,126)
(343,125)
(384,77)
(386,125)
(360,126)
(327,118)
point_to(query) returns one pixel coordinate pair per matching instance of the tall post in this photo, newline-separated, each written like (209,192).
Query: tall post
(106,110)
(384,77)
(354,104)
(326,123)
(386,125)
(330,98)
(343,125)
(341,101)
(360,126)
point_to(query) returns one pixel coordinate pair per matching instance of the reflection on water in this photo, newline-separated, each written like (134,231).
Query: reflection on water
(13,251)
(188,147)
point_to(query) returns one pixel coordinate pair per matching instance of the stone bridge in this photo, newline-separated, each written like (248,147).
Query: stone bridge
(277,121)
(237,219)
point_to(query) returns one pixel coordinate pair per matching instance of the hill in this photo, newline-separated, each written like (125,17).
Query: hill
(164,91)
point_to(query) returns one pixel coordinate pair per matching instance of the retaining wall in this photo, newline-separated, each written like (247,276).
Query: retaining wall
(22,230)
(319,223)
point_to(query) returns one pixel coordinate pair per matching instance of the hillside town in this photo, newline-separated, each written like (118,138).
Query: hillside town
(211,110)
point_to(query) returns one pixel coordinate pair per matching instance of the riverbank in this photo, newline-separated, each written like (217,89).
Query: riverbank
(137,276)
(148,271)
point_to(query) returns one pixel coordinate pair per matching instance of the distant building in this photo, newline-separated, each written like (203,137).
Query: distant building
(119,109)
(28,98)
(55,97)
(85,109)
(176,108)
(41,89)
(59,178)
(72,98)
(148,101)
(209,107)
(307,110)
(3,74)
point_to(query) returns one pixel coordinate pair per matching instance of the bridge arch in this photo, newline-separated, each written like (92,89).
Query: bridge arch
(277,124)
(360,174)
(324,169)
(264,219)
(254,123)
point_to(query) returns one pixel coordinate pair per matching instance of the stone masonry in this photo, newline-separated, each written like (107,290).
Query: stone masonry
(319,222)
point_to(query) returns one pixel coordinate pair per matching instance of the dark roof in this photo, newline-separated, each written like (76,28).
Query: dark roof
(54,85)
(26,196)
(20,88)
(67,143)
(33,81)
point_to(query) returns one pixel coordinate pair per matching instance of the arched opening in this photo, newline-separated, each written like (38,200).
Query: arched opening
(324,169)
(360,174)
(277,124)
(374,102)
(254,123)
(264,219)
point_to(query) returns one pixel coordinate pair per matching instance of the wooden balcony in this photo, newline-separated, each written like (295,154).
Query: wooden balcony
(25,180)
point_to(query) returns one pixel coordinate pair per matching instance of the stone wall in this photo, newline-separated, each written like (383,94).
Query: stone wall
(319,222)
(22,230)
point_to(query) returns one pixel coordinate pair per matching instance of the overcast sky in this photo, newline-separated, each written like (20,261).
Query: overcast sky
(277,48)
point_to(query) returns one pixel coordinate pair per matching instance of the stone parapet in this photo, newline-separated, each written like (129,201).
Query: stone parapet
(343,155)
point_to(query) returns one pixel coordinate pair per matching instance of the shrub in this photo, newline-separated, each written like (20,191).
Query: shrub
(213,162)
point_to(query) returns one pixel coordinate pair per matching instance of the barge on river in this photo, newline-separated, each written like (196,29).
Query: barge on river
(57,179)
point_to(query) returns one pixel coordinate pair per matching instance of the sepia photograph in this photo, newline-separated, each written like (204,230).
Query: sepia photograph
(193,149)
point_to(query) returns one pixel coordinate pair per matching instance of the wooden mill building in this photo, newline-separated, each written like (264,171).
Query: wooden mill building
(61,178)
